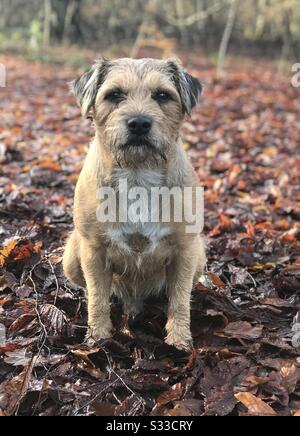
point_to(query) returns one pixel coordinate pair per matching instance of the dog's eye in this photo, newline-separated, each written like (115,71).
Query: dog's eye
(115,96)
(162,97)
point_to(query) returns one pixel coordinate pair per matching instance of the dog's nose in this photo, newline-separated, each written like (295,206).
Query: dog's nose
(139,125)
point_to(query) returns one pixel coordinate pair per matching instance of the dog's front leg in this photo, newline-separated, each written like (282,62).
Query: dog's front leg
(180,275)
(98,281)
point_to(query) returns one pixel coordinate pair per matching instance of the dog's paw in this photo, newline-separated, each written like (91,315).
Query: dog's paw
(95,334)
(184,344)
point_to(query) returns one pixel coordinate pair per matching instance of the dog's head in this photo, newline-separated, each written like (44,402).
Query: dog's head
(137,105)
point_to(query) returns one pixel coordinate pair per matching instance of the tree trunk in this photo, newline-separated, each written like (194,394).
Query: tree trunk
(226,36)
(47,22)
(2,15)
(137,45)
(72,31)
(287,40)
(260,19)
(181,15)
(59,10)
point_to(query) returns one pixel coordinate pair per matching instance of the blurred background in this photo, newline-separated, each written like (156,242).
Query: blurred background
(37,28)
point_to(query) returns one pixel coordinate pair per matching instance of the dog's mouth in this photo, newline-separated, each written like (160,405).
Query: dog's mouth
(139,150)
(138,142)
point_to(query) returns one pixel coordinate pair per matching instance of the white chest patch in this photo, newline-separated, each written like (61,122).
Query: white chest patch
(119,234)
(155,232)
(139,178)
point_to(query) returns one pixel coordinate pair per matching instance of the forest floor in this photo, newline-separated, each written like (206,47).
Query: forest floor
(244,143)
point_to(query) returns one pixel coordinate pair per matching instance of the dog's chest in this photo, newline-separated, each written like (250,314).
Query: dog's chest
(132,238)
(138,237)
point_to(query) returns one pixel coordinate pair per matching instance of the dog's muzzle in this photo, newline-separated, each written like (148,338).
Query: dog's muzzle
(138,128)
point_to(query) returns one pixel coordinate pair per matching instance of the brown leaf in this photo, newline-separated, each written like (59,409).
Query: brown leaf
(255,406)
(218,385)
(103,409)
(56,321)
(131,406)
(290,377)
(14,390)
(17,357)
(188,407)
(180,410)
(243,330)
(6,251)
(216,280)
(18,249)
(172,394)
(84,353)
(21,322)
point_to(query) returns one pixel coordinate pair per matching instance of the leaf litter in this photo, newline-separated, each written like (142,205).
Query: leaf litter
(244,143)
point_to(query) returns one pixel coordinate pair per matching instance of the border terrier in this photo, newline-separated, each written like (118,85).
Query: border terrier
(138,107)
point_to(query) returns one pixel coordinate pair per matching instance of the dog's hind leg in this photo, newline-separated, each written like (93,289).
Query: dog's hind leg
(71,261)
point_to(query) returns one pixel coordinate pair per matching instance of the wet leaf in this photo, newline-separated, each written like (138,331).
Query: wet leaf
(243,330)
(255,405)
(17,357)
(103,409)
(56,321)
(169,396)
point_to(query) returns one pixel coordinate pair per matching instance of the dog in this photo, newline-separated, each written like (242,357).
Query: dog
(138,107)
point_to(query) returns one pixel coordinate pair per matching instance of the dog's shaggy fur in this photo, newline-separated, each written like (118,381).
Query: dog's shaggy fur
(127,259)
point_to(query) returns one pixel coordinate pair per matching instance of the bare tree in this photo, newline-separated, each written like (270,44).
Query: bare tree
(226,35)
(143,27)
(72,19)
(261,17)
(287,39)
(47,22)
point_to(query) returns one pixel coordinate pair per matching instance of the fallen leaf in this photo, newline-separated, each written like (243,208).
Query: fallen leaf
(17,357)
(103,409)
(169,396)
(55,320)
(216,280)
(255,405)
(243,330)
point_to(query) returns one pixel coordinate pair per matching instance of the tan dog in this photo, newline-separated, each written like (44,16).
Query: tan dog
(138,107)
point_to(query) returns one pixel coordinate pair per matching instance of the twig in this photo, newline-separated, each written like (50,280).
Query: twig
(43,327)
(94,398)
(111,370)
(56,281)
(24,387)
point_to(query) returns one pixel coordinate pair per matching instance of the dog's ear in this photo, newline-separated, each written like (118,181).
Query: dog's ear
(87,86)
(189,87)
